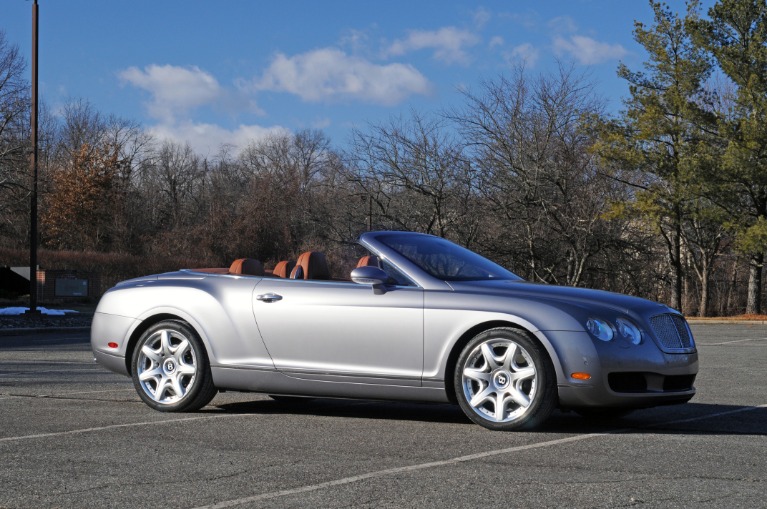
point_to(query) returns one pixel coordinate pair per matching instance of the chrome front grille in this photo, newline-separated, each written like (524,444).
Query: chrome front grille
(673,334)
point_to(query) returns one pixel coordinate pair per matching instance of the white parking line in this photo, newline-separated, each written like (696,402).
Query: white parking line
(63,394)
(731,342)
(452,461)
(116,426)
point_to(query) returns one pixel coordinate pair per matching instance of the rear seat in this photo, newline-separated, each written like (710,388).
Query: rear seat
(247,266)
(283,268)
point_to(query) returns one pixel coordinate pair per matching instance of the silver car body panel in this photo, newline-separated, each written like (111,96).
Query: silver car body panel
(342,339)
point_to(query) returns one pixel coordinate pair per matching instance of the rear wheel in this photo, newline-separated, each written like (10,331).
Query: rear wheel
(505,381)
(170,368)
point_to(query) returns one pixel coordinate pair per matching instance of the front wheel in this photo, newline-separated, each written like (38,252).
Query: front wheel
(505,381)
(170,368)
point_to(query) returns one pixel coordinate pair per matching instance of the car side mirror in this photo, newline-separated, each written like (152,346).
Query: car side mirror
(368,275)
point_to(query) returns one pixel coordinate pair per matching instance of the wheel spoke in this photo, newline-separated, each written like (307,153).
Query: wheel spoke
(481,397)
(478,375)
(150,374)
(519,397)
(162,387)
(165,342)
(523,374)
(500,406)
(508,357)
(489,356)
(186,369)
(180,350)
(177,387)
(155,356)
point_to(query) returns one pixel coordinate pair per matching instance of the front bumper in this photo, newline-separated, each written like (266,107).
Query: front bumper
(622,375)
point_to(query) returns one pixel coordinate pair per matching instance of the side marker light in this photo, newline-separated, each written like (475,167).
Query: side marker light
(580,376)
(112,344)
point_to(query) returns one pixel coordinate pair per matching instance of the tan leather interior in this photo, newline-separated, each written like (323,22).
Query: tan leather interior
(311,265)
(283,268)
(369,261)
(247,266)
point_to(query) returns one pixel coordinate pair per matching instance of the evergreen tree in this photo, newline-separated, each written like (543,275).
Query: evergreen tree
(736,35)
(656,143)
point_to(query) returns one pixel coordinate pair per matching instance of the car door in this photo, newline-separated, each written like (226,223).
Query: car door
(330,330)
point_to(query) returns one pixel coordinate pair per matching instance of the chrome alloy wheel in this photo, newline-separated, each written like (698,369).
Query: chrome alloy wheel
(499,380)
(167,366)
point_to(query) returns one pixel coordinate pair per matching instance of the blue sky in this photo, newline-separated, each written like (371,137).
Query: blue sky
(213,72)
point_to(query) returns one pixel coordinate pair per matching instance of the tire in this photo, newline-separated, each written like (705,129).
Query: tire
(170,368)
(505,381)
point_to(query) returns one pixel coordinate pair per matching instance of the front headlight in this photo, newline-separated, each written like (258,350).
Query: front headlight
(629,331)
(600,329)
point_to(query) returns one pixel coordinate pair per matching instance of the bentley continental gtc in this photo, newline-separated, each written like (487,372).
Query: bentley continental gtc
(419,319)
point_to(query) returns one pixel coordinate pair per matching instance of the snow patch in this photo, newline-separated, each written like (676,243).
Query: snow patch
(45,311)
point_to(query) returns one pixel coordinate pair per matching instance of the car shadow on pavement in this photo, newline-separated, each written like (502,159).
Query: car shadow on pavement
(690,418)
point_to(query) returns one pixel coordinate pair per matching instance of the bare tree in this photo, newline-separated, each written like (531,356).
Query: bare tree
(529,141)
(416,175)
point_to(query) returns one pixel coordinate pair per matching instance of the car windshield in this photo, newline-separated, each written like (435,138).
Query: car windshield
(444,260)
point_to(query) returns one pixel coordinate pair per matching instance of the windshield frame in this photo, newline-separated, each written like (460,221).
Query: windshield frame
(418,248)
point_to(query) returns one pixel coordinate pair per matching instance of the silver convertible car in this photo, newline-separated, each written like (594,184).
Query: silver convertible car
(419,319)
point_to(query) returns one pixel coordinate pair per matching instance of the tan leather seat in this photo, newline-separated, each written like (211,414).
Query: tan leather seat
(369,261)
(283,268)
(247,266)
(311,265)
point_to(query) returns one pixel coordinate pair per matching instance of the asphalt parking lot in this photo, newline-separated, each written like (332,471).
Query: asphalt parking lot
(75,435)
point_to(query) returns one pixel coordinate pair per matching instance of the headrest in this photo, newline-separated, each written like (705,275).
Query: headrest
(283,268)
(247,266)
(311,265)
(369,261)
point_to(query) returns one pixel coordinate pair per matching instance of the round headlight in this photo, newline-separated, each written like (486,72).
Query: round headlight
(629,331)
(600,329)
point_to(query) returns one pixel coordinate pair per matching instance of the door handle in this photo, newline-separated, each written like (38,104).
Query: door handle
(269,297)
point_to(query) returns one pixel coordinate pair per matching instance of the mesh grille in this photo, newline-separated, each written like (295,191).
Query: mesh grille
(672,332)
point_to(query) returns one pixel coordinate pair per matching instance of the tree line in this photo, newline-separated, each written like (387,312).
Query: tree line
(666,199)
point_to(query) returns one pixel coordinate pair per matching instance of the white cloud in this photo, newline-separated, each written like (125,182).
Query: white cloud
(448,44)
(526,53)
(329,74)
(588,51)
(563,24)
(481,17)
(175,90)
(206,139)
(496,42)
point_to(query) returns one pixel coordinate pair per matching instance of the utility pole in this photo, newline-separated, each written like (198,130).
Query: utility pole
(33,199)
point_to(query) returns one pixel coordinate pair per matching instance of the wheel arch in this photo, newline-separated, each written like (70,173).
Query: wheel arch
(143,327)
(469,334)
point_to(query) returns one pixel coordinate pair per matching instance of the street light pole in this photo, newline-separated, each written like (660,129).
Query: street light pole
(33,164)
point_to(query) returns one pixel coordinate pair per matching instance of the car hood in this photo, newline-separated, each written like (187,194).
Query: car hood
(584,298)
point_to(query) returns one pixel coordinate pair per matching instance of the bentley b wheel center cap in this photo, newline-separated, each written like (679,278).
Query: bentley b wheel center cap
(501,379)
(169,366)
